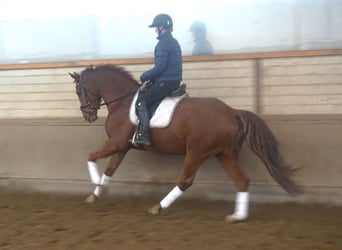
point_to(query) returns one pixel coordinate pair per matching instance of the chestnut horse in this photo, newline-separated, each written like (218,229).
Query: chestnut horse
(200,128)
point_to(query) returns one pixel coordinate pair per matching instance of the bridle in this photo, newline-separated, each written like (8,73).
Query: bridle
(93,106)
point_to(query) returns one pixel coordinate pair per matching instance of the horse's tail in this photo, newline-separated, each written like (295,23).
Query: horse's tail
(254,131)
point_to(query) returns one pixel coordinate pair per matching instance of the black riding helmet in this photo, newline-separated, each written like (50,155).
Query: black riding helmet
(162,20)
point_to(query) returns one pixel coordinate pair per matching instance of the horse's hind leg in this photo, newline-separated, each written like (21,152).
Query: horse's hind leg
(229,161)
(190,168)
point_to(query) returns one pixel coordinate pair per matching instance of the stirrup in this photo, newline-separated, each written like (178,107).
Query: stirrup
(141,140)
(132,140)
(138,143)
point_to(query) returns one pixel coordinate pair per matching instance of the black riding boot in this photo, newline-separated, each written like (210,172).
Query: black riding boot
(143,132)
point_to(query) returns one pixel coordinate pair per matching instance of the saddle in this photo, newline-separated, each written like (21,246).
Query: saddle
(161,112)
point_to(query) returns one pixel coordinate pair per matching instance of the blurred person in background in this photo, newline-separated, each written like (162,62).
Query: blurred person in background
(202,45)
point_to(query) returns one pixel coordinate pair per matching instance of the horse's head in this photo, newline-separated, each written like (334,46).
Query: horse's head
(89,98)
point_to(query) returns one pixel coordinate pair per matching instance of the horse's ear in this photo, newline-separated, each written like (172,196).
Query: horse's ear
(75,76)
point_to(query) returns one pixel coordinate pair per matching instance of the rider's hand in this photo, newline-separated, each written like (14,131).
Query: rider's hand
(143,78)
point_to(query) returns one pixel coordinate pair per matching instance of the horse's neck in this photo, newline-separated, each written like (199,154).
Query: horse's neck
(118,97)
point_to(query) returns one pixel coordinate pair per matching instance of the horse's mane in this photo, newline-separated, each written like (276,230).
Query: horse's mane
(110,67)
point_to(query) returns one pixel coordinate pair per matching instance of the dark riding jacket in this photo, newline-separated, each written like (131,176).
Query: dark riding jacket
(167,61)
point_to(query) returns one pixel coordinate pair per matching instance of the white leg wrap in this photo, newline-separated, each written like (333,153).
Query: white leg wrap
(98,191)
(171,197)
(99,188)
(241,205)
(104,180)
(93,172)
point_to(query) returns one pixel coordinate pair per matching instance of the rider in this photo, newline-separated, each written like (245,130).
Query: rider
(164,77)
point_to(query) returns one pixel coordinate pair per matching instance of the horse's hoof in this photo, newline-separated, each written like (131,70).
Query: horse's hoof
(155,210)
(91,199)
(234,218)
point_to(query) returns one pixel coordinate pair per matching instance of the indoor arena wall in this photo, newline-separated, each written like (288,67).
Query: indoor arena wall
(45,142)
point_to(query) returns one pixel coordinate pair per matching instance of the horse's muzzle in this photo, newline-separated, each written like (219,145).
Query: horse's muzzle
(90,115)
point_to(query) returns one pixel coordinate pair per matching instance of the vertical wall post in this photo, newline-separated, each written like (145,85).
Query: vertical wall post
(257,86)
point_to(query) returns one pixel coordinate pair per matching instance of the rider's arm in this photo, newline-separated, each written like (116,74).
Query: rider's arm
(160,63)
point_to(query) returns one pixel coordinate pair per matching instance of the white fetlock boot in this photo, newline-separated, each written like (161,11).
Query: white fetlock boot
(241,208)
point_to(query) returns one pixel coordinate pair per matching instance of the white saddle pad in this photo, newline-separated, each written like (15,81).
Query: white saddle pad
(163,115)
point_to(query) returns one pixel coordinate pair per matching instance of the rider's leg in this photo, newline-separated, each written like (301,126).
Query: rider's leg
(148,97)
(143,131)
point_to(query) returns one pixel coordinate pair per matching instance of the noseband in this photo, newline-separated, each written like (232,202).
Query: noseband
(90,105)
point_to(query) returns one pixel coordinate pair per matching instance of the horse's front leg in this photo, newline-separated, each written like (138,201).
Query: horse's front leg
(113,164)
(105,178)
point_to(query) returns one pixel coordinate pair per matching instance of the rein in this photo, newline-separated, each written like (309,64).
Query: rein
(116,99)
(98,106)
